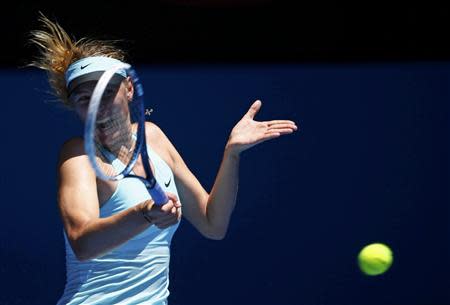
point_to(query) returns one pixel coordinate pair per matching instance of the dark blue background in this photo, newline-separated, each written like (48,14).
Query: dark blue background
(369,164)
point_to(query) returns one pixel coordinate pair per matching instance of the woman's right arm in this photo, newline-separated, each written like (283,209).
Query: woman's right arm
(89,235)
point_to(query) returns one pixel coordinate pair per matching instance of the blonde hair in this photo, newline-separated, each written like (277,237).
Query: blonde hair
(57,50)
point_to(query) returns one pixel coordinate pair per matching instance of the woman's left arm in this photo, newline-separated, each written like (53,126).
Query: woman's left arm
(210,213)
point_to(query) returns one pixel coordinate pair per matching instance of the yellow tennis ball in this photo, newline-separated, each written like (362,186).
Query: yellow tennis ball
(375,259)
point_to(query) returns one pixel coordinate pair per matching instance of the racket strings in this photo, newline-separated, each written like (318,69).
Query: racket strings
(106,156)
(116,129)
(115,133)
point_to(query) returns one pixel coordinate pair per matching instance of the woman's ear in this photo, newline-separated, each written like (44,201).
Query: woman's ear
(130,89)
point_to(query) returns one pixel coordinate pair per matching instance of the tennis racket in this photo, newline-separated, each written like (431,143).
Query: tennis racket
(115,131)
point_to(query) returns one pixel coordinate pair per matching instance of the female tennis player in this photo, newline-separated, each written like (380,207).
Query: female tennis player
(117,240)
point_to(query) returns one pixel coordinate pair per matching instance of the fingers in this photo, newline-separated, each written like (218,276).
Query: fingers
(169,219)
(179,214)
(254,108)
(280,127)
(172,196)
(274,122)
(280,131)
(280,124)
(274,133)
(168,214)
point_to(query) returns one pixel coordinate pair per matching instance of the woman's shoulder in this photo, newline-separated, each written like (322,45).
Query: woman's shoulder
(154,133)
(72,147)
(152,129)
(159,142)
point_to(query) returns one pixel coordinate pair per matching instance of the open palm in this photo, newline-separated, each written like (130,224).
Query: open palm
(248,132)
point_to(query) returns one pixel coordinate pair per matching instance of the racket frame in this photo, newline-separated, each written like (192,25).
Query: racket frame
(150,182)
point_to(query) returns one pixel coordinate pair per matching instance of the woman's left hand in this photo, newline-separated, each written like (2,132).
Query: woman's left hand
(248,132)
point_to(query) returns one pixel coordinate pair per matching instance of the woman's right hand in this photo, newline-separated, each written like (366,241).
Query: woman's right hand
(163,216)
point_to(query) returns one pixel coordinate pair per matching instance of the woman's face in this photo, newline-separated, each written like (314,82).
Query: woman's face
(113,123)
(114,100)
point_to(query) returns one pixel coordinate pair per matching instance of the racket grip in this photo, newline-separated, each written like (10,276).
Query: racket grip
(158,194)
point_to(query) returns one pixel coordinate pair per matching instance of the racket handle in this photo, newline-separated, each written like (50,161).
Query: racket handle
(158,195)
